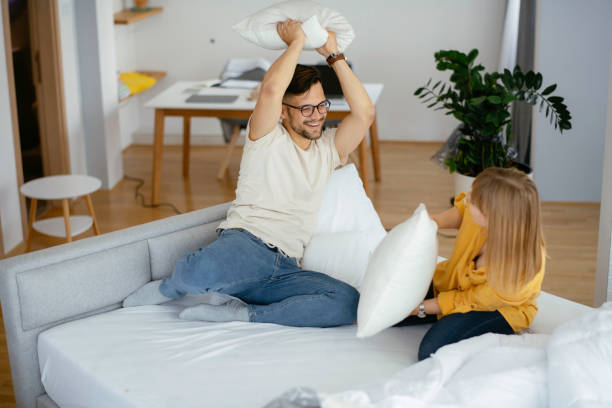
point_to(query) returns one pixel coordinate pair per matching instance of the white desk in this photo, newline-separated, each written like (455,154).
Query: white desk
(172,102)
(61,187)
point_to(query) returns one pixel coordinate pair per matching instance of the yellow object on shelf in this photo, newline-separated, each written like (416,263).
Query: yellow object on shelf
(137,82)
(128,16)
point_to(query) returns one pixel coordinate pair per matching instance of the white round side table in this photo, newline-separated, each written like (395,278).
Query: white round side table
(63,187)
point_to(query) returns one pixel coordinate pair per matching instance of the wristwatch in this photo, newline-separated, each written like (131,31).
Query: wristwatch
(333,57)
(421,312)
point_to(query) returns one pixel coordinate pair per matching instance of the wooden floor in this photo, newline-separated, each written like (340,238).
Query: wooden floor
(408,178)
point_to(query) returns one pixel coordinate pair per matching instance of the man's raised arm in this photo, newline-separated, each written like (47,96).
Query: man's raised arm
(269,103)
(353,128)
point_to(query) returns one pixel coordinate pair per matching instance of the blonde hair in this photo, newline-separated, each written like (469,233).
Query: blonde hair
(510,202)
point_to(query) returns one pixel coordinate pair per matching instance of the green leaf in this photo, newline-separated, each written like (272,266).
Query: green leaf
(429,99)
(436,85)
(494,99)
(518,77)
(549,89)
(555,99)
(538,81)
(472,55)
(507,79)
(477,101)
(432,104)
(428,82)
(418,91)
(530,79)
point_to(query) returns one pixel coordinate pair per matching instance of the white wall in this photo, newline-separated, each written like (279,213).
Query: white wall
(72,89)
(573,50)
(394,44)
(509,41)
(108,78)
(10,213)
(603,278)
(98,90)
(129,110)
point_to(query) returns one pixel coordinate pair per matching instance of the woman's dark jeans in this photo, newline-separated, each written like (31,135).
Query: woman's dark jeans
(456,327)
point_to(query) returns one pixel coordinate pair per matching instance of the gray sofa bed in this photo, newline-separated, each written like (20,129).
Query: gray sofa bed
(90,277)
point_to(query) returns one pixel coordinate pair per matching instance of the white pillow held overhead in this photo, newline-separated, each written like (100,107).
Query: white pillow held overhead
(399,274)
(260,27)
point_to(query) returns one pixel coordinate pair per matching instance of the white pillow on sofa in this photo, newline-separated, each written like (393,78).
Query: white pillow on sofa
(399,274)
(345,205)
(348,230)
(260,27)
(342,255)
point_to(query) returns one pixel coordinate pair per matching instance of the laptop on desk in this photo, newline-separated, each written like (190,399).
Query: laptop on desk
(330,82)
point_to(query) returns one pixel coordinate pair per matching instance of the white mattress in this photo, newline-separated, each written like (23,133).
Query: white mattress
(147,357)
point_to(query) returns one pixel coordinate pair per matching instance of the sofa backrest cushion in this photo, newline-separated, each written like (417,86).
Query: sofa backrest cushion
(54,292)
(165,250)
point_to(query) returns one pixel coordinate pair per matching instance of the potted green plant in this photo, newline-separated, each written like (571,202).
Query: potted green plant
(481,102)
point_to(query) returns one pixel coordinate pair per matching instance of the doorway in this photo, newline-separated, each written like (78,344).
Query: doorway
(36,91)
(25,91)
(37,78)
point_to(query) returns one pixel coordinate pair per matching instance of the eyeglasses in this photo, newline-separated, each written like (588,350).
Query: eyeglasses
(308,110)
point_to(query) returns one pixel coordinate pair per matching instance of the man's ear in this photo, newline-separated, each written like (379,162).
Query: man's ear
(284,113)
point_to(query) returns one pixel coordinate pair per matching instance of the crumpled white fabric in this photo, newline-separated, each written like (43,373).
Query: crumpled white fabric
(580,361)
(485,371)
(572,368)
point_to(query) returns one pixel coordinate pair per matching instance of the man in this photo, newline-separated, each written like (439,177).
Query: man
(284,169)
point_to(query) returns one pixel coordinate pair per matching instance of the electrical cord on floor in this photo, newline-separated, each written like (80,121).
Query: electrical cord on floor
(445,235)
(138,195)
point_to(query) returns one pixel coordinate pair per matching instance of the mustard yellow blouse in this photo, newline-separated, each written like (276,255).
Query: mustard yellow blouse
(460,287)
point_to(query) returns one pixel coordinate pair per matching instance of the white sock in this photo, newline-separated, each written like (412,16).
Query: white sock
(234,310)
(149,294)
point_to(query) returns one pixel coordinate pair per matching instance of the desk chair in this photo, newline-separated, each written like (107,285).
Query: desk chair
(231,130)
(231,127)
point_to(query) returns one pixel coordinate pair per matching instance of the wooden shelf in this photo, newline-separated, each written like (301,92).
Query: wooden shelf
(155,74)
(127,16)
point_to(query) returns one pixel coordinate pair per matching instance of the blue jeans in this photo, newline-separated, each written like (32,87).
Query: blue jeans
(274,287)
(455,327)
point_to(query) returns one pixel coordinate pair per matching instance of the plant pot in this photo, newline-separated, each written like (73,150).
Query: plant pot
(463,184)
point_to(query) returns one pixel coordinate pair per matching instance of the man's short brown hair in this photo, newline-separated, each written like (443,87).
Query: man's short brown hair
(303,78)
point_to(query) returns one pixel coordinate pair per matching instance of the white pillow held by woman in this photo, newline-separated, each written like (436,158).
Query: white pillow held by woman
(399,274)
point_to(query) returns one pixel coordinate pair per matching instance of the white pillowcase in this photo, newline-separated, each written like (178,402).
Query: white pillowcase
(260,27)
(345,205)
(342,255)
(399,274)
(348,230)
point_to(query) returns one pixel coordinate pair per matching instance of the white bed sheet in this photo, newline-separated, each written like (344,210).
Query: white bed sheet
(147,357)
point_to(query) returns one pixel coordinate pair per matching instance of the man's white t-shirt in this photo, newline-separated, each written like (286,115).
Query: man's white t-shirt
(280,188)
